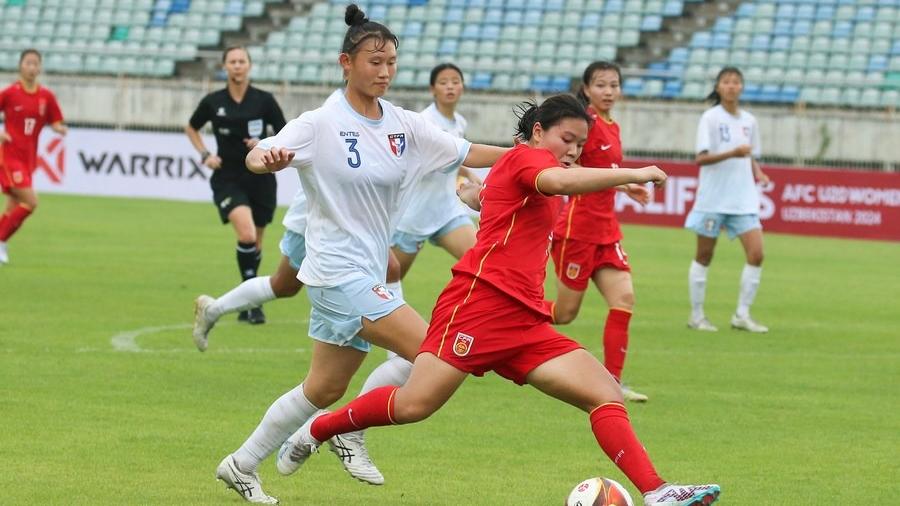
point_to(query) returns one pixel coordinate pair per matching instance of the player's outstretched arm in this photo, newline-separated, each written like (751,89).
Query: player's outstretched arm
(263,161)
(483,155)
(469,193)
(59,127)
(578,180)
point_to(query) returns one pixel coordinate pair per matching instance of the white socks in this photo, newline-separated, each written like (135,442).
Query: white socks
(283,418)
(697,286)
(749,284)
(394,371)
(249,294)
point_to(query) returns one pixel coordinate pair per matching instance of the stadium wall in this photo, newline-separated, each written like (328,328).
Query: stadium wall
(790,135)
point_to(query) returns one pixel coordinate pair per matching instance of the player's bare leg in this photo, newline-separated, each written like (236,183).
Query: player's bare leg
(568,303)
(697,283)
(752,241)
(458,241)
(617,288)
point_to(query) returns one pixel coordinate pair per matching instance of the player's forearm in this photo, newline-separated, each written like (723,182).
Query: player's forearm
(469,194)
(483,155)
(196,140)
(707,158)
(254,161)
(578,180)
(59,128)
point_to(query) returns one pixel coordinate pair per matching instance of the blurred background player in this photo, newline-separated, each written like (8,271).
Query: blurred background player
(586,237)
(240,116)
(492,316)
(727,148)
(27,107)
(358,159)
(434,213)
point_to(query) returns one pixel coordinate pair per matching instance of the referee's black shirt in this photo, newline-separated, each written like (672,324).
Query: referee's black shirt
(233,122)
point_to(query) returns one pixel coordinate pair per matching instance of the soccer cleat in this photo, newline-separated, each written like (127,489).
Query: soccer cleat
(748,324)
(298,448)
(248,486)
(202,323)
(244,316)
(630,395)
(4,254)
(351,449)
(702,324)
(682,495)
(256,316)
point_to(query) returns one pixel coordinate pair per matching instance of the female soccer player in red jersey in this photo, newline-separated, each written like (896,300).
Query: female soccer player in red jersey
(27,107)
(492,315)
(586,237)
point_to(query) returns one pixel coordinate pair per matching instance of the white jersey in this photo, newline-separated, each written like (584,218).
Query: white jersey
(727,187)
(357,174)
(295,217)
(434,201)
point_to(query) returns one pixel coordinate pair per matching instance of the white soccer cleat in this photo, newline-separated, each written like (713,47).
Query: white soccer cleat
(630,395)
(351,449)
(298,448)
(748,324)
(702,324)
(248,486)
(4,254)
(202,323)
(682,495)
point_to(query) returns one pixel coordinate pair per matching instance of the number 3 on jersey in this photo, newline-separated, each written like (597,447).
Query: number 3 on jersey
(353,160)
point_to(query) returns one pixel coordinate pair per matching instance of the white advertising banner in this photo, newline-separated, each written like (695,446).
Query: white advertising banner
(119,163)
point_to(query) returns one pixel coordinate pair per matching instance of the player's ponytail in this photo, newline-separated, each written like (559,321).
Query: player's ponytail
(362,28)
(549,113)
(714,95)
(588,76)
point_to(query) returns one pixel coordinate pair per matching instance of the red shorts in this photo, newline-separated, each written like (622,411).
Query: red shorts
(13,173)
(487,330)
(577,261)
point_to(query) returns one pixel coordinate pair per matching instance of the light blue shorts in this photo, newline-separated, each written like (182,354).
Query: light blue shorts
(293,246)
(412,243)
(337,311)
(709,224)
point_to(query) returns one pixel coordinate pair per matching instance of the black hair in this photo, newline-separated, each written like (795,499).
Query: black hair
(589,74)
(442,67)
(232,48)
(29,51)
(714,95)
(361,28)
(549,113)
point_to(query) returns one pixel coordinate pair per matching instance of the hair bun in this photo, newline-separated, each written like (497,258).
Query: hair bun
(354,16)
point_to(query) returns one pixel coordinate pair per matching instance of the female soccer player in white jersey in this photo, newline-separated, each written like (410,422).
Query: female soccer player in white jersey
(358,159)
(727,148)
(434,213)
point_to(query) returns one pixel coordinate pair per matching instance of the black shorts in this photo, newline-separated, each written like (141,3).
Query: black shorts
(257,191)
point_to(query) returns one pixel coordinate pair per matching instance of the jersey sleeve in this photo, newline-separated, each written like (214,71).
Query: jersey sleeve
(438,150)
(54,114)
(531,164)
(3,94)
(755,144)
(704,141)
(298,135)
(201,114)
(274,116)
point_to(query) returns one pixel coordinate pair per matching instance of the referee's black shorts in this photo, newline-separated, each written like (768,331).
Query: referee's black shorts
(257,191)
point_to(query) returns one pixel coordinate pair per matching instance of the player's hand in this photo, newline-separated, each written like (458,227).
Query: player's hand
(470,175)
(741,151)
(763,178)
(213,162)
(251,143)
(276,159)
(652,174)
(638,193)
(60,128)
(469,193)
(4,137)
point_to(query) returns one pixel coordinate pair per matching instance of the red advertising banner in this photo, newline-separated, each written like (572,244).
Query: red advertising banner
(834,203)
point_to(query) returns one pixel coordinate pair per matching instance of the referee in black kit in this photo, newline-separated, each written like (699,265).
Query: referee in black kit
(241,116)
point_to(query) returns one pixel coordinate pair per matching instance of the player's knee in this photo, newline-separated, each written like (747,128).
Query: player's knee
(411,412)
(324,395)
(755,258)
(285,288)
(563,314)
(704,258)
(623,301)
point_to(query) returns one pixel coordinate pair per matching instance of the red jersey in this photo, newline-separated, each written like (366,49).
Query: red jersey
(513,238)
(591,217)
(25,115)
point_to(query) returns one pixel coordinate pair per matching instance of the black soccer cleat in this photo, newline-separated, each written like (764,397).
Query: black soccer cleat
(244,316)
(257,316)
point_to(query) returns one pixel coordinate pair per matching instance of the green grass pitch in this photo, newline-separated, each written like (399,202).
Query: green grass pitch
(807,414)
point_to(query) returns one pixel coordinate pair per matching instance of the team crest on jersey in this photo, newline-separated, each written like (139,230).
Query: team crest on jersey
(397,142)
(382,292)
(573,270)
(462,344)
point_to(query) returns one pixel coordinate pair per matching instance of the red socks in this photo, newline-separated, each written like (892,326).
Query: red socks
(613,431)
(373,409)
(615,341)
(11,221)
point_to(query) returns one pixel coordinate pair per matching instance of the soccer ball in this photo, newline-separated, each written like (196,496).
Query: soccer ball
(599,492)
